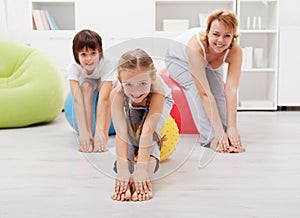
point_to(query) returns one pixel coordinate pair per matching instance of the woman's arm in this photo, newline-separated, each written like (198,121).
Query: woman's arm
(197,66)
(234,60)
(103,116)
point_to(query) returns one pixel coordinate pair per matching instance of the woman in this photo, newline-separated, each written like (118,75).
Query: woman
(197,62)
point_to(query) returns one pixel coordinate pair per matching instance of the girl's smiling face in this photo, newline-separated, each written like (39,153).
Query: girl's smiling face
(89,59)
(219,37)
(136,84)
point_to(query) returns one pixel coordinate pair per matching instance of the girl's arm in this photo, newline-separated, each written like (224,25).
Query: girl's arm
(119,120)
(141,175)
(197,66)
(85,134)
(154,114)
(103,116)
(234,60)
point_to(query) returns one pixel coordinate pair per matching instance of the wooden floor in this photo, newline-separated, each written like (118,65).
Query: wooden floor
(43,175)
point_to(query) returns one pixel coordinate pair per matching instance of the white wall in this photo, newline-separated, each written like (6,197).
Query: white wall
(289,13)
(16,24)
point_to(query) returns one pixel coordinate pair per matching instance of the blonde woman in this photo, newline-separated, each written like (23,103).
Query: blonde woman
(197,62)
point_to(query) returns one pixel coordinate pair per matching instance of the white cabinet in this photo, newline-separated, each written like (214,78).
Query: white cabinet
(180,10)
(115,20)
(259,32)
(258,28)
(57,44)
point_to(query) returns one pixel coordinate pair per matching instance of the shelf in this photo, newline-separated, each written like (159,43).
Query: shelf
(259,70)
(259,1)
(193,1)
(187,10)
(258,31)
(63,12)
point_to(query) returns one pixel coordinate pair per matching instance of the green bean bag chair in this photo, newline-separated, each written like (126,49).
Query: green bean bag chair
(31,87)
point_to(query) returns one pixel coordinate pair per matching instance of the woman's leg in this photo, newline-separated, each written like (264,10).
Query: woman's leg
(179,71)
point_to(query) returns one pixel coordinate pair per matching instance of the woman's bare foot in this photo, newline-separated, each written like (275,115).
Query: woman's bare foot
(231,149)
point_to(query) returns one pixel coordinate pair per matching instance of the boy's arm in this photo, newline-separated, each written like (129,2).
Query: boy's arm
(103,114)
(77,95)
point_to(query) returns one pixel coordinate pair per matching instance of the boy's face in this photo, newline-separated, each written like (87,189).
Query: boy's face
(89,59)
(136,84)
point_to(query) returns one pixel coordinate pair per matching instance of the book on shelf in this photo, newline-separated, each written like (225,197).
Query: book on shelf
(37,19)
(43,20)
(52,23)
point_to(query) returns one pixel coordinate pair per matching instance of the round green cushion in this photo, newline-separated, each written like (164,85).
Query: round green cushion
(31,87)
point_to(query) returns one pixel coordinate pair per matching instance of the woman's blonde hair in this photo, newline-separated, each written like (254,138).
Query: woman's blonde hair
(227,18)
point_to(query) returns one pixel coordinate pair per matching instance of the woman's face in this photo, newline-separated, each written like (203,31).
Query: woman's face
(89,59)
(219,37)
(136,84)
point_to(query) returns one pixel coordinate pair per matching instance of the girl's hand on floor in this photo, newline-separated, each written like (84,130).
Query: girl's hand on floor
(141,180)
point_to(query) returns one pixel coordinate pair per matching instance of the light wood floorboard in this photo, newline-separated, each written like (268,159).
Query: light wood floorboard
(43,175)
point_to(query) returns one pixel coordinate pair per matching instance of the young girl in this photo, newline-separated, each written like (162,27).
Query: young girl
(197,63)
(140,106)
(91,75)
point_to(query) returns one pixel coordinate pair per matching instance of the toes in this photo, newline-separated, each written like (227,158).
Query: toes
(134,197)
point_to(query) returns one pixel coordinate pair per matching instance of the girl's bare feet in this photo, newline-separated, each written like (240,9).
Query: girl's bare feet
(146,195)
(121,194)
(124,196)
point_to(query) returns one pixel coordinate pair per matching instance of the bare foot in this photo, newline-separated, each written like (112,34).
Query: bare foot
(231,149)
(122,195)
(141,196)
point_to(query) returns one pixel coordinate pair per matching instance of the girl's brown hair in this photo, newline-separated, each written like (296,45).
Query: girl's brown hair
(86,39)
(227,18)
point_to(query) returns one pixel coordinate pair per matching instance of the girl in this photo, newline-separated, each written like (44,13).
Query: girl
(140,106)
(91,75)
(197,63)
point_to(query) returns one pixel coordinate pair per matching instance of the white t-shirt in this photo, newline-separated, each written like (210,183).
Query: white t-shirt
(104,71)
(178,45)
